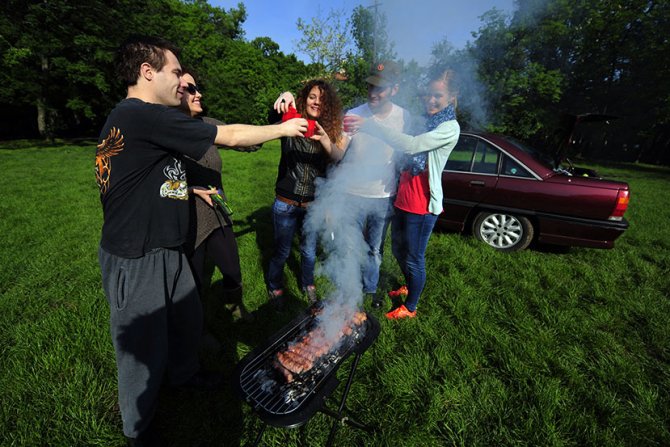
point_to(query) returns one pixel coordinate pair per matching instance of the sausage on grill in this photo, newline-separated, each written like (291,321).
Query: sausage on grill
(302,355)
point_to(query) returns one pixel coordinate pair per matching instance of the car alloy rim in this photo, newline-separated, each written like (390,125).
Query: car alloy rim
(501,230)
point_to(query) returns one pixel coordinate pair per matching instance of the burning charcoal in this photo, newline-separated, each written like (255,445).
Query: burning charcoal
(267,383)
(293,395)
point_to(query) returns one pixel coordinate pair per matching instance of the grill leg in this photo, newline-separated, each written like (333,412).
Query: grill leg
(259,436)
(338,415)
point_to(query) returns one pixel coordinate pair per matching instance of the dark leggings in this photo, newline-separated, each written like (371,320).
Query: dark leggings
(221,247)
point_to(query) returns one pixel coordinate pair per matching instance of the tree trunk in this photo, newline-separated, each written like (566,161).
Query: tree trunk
(44,114)
(41,118)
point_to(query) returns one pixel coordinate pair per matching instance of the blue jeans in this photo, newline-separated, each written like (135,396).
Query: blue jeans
(287,219)
(373,219)
(409,236)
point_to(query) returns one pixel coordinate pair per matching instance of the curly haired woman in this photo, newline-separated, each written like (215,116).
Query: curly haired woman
(302,161)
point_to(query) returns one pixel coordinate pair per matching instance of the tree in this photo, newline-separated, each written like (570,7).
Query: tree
(242,84)
(53,59)
(520,90)
(56,56)
(325,40)
(617,64)
(368,29)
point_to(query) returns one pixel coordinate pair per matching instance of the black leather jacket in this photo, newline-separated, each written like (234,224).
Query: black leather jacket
(302,161)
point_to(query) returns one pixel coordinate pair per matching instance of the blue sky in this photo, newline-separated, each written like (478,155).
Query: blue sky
(414,25)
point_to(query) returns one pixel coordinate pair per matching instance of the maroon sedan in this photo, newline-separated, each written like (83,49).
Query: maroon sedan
(509,195)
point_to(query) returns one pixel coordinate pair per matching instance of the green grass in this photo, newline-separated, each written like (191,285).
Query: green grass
(542,347)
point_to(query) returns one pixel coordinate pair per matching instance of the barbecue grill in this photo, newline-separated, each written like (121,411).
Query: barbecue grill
(288,397)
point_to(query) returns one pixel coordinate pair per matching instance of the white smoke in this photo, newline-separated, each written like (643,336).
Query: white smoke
(441,45)
(333,214)
(333,217)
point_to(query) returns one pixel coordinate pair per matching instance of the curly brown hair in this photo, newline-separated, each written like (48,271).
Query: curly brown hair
(331,107)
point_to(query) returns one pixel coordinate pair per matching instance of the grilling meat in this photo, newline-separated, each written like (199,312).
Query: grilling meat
(300,356)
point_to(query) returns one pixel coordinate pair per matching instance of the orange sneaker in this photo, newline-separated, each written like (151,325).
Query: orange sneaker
(400,312)
(402,290)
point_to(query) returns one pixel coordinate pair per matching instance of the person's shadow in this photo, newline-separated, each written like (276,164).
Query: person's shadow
(189,417)
(204,418)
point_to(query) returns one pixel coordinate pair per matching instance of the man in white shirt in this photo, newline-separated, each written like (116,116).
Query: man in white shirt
(372,171)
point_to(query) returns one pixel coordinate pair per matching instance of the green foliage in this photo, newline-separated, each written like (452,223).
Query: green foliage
(368,28)
(579,57)
(524,70)
(242,84)
(326,39)
(54,52)
(57,56)
(353,90)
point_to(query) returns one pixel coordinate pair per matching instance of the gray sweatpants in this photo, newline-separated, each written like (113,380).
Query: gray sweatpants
(155,323)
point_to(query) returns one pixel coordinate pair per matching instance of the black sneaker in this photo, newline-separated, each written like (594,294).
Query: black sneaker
(376,300)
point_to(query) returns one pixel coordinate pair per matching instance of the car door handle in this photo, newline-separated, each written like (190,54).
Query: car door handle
(477,183)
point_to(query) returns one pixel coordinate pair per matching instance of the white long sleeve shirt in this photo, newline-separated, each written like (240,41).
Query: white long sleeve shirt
(439,143)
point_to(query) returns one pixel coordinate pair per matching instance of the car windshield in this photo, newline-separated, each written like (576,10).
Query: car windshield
(540,156)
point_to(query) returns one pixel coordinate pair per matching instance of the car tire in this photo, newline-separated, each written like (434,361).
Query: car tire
(502,231)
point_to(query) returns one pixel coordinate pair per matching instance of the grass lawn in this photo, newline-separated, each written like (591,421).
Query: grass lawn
(537,348)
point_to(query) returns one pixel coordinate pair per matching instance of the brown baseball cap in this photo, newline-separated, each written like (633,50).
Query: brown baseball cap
(383,74)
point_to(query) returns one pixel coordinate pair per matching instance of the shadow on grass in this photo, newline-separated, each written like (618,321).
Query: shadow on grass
(260,223)
(212,418)
(549,248)
(534,246)
(217,418)
(191,417)
(183,417)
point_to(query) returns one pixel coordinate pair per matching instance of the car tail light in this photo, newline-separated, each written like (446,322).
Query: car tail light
(621,205)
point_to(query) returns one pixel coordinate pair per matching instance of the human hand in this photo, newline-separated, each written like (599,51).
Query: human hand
(204,194)
(320,135)
(351,124)
(283,102)
(295,127)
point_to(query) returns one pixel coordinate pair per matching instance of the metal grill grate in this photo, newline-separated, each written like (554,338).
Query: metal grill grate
(264,388)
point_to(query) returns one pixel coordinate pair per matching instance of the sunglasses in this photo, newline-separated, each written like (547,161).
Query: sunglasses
(192,88)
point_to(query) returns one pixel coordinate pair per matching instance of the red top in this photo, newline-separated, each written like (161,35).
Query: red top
(413,193)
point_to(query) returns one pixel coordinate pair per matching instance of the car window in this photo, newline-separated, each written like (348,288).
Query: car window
(544,158)
(486,159)
(514,169)
(460,158)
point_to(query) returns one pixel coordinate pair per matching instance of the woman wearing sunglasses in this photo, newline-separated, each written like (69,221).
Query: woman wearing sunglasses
(211,236)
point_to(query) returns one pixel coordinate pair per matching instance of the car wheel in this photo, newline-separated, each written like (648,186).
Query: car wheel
(504,232)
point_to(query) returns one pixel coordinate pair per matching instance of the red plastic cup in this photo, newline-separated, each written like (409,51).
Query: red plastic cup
(293,113)
(350,124)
